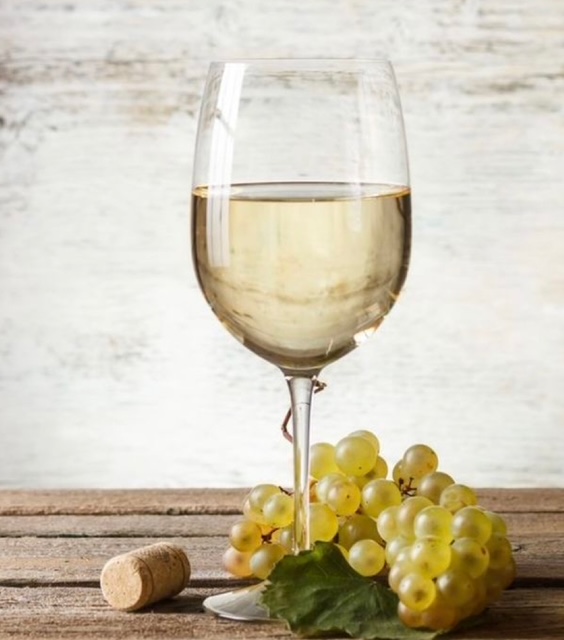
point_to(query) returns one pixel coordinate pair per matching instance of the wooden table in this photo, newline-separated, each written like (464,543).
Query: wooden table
(53,545)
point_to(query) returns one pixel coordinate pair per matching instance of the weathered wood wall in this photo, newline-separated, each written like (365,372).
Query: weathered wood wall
(112,370)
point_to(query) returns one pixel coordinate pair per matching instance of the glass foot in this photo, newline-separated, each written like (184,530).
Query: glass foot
(241,604)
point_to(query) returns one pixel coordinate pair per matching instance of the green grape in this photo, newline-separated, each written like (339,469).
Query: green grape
(378,495)
(278,510)
(457,496)
(367,557)
(393,547)
(456,587)
(433,521)
(245,535)
(265,558)
(419,460)
(253,515)
(343,497)
(387,523)
(431,486)
(407,512)
(398,474)
(409,617)
(237,563)
(470,556)
(357,527)
(405,482)
(364,433)
(252,507)
(417,592)
(401,567)
(500,551)
(361,481)
(471,522)
(440,616)
(284,537)
(430,556)
(322,486)
(496,580)
(380,469)
(323,522)
(322,460)
(478,602)
(355,455)
(498,523)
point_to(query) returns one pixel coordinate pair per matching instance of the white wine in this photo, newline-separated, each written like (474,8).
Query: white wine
(301,273)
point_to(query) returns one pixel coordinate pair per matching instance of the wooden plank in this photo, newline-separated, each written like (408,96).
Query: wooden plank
(198,525)
(118,526)
(187,501)
(80,560)
(523,614)
(116,502)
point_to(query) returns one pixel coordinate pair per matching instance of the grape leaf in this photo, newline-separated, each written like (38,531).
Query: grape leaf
(317,592)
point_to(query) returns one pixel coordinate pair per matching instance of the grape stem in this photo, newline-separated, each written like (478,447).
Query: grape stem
(317,387)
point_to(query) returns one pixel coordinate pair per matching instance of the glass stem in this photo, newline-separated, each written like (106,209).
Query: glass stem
(301,391)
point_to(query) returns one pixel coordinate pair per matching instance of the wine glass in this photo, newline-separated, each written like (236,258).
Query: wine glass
(301,225)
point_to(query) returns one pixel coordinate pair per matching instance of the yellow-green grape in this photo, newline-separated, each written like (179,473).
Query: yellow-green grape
(245,535)
(393,547)
(387,523)
(457,496)
(430,556)
(398,474)
(322,486)
(433,521)
(378,495)
(471,522)
(322,460)
(419,460)
(407,512)
(367,557)
(284,537)
(417,592)
(357,527)
(253,515)
(265,558)
(470,556)
(499,579)
(343,497)
(480,600)
(380,468)
(237,563)
(361,481)
(405,482)
(371,437)
(500,551)
(431,486)
(355,455)
(456,587)
(278,510)
(254,502)
(409,617)
(401,567)
(440,616)
(498,523)
(323,522)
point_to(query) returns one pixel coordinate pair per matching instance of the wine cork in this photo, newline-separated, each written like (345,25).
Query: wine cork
(142,577)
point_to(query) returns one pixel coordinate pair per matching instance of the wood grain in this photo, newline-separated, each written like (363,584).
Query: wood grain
(39,612)
(215,501)
(50,565)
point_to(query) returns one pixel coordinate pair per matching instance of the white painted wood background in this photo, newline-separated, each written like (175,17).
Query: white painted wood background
(112,370)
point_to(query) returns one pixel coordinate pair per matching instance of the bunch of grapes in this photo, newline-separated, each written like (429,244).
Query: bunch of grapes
(444,556)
